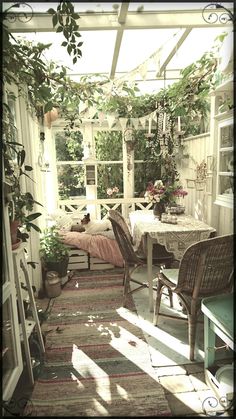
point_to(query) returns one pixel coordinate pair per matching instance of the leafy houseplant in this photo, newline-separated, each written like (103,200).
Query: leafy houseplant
(21,204)
(54,254)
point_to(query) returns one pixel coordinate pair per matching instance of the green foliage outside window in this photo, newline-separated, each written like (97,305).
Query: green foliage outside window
(70,177)
(69,148)
(108,145)
(109,176)
(70,181)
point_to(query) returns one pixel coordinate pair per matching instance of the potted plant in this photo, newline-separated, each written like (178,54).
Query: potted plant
(20,204)
(54,254)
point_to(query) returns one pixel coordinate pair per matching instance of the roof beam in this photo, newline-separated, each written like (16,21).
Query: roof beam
(121,19)
(173,51)
(109,21)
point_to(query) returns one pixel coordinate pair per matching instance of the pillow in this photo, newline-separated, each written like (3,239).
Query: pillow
(63,221)
(77,227)
(95,226)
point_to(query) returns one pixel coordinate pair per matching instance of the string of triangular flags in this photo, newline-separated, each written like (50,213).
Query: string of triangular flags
(89,112)
(142,68)
(120,122)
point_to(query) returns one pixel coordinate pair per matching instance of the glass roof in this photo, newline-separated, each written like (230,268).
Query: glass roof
(152,42)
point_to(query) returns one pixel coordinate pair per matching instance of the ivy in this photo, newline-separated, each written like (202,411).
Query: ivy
(64,19)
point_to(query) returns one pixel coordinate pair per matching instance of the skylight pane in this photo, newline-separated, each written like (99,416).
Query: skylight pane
(42,7)
(97,50)
(196,44)
(138,45)
(156,6)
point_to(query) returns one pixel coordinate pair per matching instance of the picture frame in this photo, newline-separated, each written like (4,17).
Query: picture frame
(190,183)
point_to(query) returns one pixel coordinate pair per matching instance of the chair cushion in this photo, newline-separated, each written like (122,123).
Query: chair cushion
(171,275)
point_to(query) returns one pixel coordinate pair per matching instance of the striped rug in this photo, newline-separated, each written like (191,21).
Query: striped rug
(96,361)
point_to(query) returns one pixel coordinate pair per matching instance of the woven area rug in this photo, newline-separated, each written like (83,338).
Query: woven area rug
(96,361)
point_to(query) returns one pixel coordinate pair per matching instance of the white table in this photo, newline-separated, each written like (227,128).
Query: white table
(175,237)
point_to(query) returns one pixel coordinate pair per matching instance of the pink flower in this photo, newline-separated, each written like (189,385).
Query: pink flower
(166,193)
(109,191)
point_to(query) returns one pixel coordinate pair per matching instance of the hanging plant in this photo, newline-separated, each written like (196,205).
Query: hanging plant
(64,20)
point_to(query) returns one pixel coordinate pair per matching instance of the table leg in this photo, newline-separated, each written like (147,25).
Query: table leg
(149,271)
(209,343)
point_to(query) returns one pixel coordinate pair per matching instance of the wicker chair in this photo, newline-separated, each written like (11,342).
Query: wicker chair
(132,259)
(206,269)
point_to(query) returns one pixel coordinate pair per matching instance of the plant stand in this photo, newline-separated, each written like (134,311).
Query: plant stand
(26,326)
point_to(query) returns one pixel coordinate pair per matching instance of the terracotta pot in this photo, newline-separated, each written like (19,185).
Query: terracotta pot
(50,117)
(16,245)
(14,225)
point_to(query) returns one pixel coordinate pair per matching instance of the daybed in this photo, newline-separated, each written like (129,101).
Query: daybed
(95,248)
(100,247)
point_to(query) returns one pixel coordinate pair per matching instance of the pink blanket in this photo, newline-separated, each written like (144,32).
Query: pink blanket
(97,245)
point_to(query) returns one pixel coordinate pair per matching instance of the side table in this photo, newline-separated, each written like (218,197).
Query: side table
(218,320)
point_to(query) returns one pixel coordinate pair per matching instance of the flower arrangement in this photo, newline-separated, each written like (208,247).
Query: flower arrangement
(112,191)
(158,192)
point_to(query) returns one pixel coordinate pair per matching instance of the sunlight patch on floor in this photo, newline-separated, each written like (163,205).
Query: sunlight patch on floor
(163,339)
(86,367)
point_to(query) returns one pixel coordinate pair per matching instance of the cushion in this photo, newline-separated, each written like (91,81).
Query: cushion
(77,227)
(95,226)
(62,220)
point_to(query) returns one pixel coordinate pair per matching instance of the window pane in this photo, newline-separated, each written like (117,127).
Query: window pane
(108,145)
(69,148)
(109,176)
(226,161)
(71,181)
(225,185)
(226,136)
(145,172)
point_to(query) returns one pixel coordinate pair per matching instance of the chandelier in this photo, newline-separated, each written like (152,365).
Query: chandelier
(168,137)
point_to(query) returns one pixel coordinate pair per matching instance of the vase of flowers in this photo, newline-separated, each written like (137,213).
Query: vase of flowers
(163,195)
(158,209)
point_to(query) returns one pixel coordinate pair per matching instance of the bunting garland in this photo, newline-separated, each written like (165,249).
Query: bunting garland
(107,88)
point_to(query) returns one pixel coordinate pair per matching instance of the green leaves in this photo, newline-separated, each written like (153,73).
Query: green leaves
(32,217)
(21,157)
(64,20)
(55,19)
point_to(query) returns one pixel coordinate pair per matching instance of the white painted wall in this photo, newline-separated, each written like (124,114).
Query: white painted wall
(200,204)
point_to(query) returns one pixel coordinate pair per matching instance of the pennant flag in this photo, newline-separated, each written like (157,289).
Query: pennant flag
(107,88)
(101,117)
(142,120)
(110,119)
(123,123)
(83,106)
(135,122)
(143,70)
(92,111)
(154,116)
(132,75)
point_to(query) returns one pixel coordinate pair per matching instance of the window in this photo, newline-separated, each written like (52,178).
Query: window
(225,163)
(70,167)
